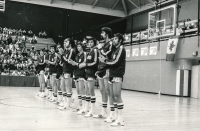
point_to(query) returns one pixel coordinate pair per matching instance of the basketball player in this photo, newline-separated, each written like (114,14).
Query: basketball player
(105,49)
(47,73)
(116,74)
(79,75)
(91,68)
(52,68)
(68,69)
(86,96)
(41,67)
(59,70)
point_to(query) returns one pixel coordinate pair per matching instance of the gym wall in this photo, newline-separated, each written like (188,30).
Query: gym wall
(153,73)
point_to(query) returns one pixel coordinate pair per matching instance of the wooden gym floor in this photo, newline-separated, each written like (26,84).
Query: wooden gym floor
(21,111)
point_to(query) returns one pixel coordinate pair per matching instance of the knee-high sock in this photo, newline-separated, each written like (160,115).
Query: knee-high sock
(120,107)
(93,101)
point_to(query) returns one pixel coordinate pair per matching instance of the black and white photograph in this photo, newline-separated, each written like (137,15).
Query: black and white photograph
(99,65)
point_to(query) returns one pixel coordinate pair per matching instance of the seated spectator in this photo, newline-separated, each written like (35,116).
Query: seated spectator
(20,32)
(30,33)
(24,38)
(21,44)
(1,57)
(19,73)
(6,54)
(4,38)
(44,34)
(13,55)
(34,40)
(23,73)
(1,63)
(16,46)
(12,63)
(15,73)
(19,56)
(16,39)
(6,70)
(14,32)
(30,40)
(40,34)
(24,32)
(9,39)
(29,62)
(10,31)
(4,30)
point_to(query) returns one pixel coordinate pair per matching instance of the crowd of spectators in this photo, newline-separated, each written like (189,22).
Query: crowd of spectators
(15,59)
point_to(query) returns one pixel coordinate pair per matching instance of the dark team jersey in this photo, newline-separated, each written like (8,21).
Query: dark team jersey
(52,67)
(58,64)
(118,62)
(105,51)
(68,55)
(92,62)
(80,72)
(41,60)
(47,58)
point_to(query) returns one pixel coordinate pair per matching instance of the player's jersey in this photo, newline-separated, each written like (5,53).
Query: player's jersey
(68,55)
(80,72)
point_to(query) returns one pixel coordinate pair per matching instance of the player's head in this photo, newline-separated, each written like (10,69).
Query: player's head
(80,46)
(106,32)
(91,41)
(68,42)
(52,48)
(118,39)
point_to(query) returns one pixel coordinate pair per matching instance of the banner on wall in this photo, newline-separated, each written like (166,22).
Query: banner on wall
(171,49)
(153,50)
(135,52)
(127,38)
(127,53)
(144,51)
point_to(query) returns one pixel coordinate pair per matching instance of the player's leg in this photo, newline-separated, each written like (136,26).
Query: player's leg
(91,84)
(117,85)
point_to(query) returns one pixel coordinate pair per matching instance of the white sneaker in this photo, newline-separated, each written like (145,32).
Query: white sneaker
(55,102)
(52,99)
(41,95)
(101,115)
(48,97)
(62,108)
(116,117)
(109,119)
(61,104)
(89,114)
(118,123)
(38,94)
(76,110)
(81,112)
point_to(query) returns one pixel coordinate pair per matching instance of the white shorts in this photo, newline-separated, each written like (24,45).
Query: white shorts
(115,80)
(67,76)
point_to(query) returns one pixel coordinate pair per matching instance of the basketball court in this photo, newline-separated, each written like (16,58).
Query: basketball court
(21,111)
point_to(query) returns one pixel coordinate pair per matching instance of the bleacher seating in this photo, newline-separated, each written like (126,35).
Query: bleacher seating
(41,43)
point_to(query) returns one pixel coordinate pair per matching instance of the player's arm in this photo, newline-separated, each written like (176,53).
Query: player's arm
(118,58)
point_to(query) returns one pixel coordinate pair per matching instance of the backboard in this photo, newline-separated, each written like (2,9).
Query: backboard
(162,22)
